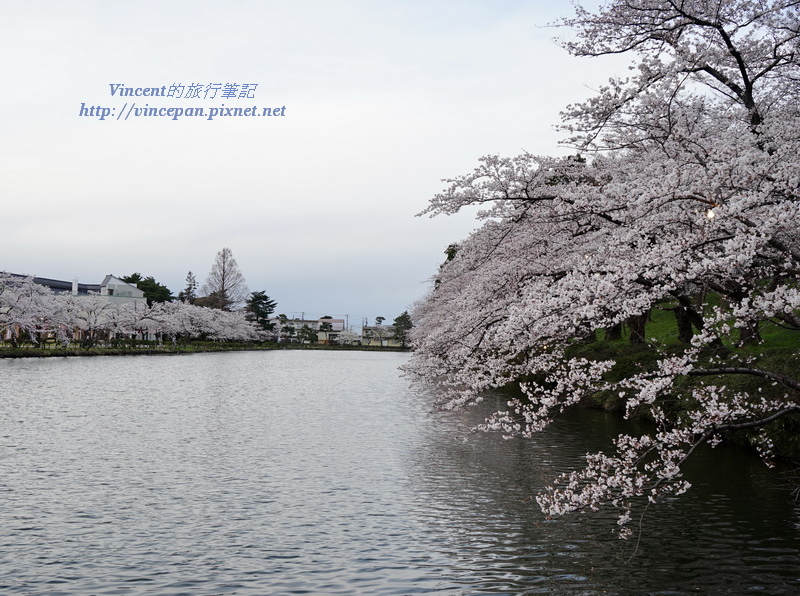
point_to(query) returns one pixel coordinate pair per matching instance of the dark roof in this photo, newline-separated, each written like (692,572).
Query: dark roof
(58,285)
(55,284)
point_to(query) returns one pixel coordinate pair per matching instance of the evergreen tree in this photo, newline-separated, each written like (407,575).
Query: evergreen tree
(153,291)
(402,325)
(260,307)
(189,293)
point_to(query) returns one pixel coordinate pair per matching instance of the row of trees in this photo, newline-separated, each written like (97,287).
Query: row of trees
(684,195)
(29,311)
(32,312)
(283,329)
(225,289)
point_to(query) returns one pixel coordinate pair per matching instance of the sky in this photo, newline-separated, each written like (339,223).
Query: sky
(383,100)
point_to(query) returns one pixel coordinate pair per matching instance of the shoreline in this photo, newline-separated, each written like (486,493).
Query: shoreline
(51,352)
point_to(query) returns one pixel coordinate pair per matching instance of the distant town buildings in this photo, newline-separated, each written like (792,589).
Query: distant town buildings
(332,331)
(324,330)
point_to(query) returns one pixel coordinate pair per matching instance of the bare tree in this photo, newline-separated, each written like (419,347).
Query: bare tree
(225,282)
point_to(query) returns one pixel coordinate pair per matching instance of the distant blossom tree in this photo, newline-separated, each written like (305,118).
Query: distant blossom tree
(24,308)
(685,195)
(348,337)
(30,311)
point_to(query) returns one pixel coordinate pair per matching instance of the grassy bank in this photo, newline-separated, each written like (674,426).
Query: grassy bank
(779,352)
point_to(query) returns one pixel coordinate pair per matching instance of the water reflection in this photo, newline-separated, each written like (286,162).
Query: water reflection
(306,472)
(730,534)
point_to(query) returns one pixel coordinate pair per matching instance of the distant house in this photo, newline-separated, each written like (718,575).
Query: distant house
(379,335)
(112,288)
(327,330)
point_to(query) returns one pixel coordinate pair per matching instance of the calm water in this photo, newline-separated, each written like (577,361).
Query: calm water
(322,473)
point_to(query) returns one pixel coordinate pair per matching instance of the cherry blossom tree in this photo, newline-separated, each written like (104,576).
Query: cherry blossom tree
(181,319)
(683,194)
(92,317)
(29,311)
(24,308)
(348,337)
(138,320)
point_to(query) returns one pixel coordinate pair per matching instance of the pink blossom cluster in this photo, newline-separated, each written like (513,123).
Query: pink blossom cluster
(684,194)
(31,311)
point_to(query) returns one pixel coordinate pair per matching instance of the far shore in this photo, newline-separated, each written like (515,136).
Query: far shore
(29,351)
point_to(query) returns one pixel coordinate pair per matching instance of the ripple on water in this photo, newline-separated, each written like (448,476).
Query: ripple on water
(321,473)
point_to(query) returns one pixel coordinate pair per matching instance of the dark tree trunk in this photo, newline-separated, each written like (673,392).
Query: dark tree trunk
(637,323)
(685,331)
(749,335)
(687,319)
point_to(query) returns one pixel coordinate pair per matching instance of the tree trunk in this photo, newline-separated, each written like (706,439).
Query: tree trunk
(749,334)
(687,318)
(637,324)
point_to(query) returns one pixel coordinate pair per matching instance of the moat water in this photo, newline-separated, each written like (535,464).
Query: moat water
(299,472)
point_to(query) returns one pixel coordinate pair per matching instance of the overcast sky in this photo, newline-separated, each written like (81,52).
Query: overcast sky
(383,99)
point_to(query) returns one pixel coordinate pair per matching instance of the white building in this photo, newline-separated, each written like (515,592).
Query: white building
(114,289)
